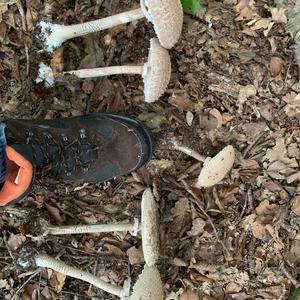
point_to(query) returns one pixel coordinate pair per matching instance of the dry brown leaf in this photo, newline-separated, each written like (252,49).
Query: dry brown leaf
(232,288)
(4,6)
(296,205)
(180,212)
(55,214)
(114,250)
(246,92)
(15,241)
(276,65)
(57,61)
(265,208)
(197,228)
(31,17)
(182,102)
(56,280)
(222,118)
(117,104)
(135,255)
(189,294)
(30,292)
(3,29)
(292,108)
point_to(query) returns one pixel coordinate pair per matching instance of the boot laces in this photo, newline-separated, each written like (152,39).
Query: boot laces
(63,155)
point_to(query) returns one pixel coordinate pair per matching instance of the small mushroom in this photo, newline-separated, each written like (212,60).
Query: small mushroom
(166,16)
(149,224)
(148,285)
(156,72)
(215,169)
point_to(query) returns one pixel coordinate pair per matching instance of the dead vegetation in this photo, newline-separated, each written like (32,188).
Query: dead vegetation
(234,82)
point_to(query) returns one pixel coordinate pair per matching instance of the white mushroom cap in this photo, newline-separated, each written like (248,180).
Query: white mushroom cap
(148,286)
(157,71)
(149,228)
(167,19)
(216,169)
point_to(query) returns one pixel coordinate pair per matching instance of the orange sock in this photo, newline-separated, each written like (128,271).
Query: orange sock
(19,179)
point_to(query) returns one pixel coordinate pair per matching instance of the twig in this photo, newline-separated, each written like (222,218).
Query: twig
(24,283)
(188,151)
(24,28)
(293,280)
(251,145)
(197,201)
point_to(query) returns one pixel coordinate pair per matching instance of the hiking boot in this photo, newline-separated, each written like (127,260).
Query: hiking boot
(91,148)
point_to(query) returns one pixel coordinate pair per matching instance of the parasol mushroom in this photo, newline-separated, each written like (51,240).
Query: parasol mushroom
(148,228)
(215,169)
(46,261)
(156,72)
(166,16)
(148,286)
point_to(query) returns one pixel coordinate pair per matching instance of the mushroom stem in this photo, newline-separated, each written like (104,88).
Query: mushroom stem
(106,71)
(133,228)
(189,152)
(56,34)
(45,261)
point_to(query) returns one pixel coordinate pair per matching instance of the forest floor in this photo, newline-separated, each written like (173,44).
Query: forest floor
(234,82)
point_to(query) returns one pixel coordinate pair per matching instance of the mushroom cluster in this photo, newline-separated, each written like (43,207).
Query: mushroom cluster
(167,19)
(149,284)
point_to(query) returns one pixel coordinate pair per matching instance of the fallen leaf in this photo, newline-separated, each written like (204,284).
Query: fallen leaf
(197,228)
(114,250)
(135,255)
(55,214)
(3,29)
(296,205)
(4,284)
(246,92)
(276,65)
(292,108)
(263,23)
(189,294)
(30,292)
(56,280)
(117,104)
(278,14)
(182,102)
(15,241)
(265,208)
(222,118)
(57,61)
(232,288)
(31,17)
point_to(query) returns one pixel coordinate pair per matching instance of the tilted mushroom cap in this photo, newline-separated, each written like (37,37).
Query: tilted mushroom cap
(166,17)
(216,169)
(148,286)
(157,72)
(149,228)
